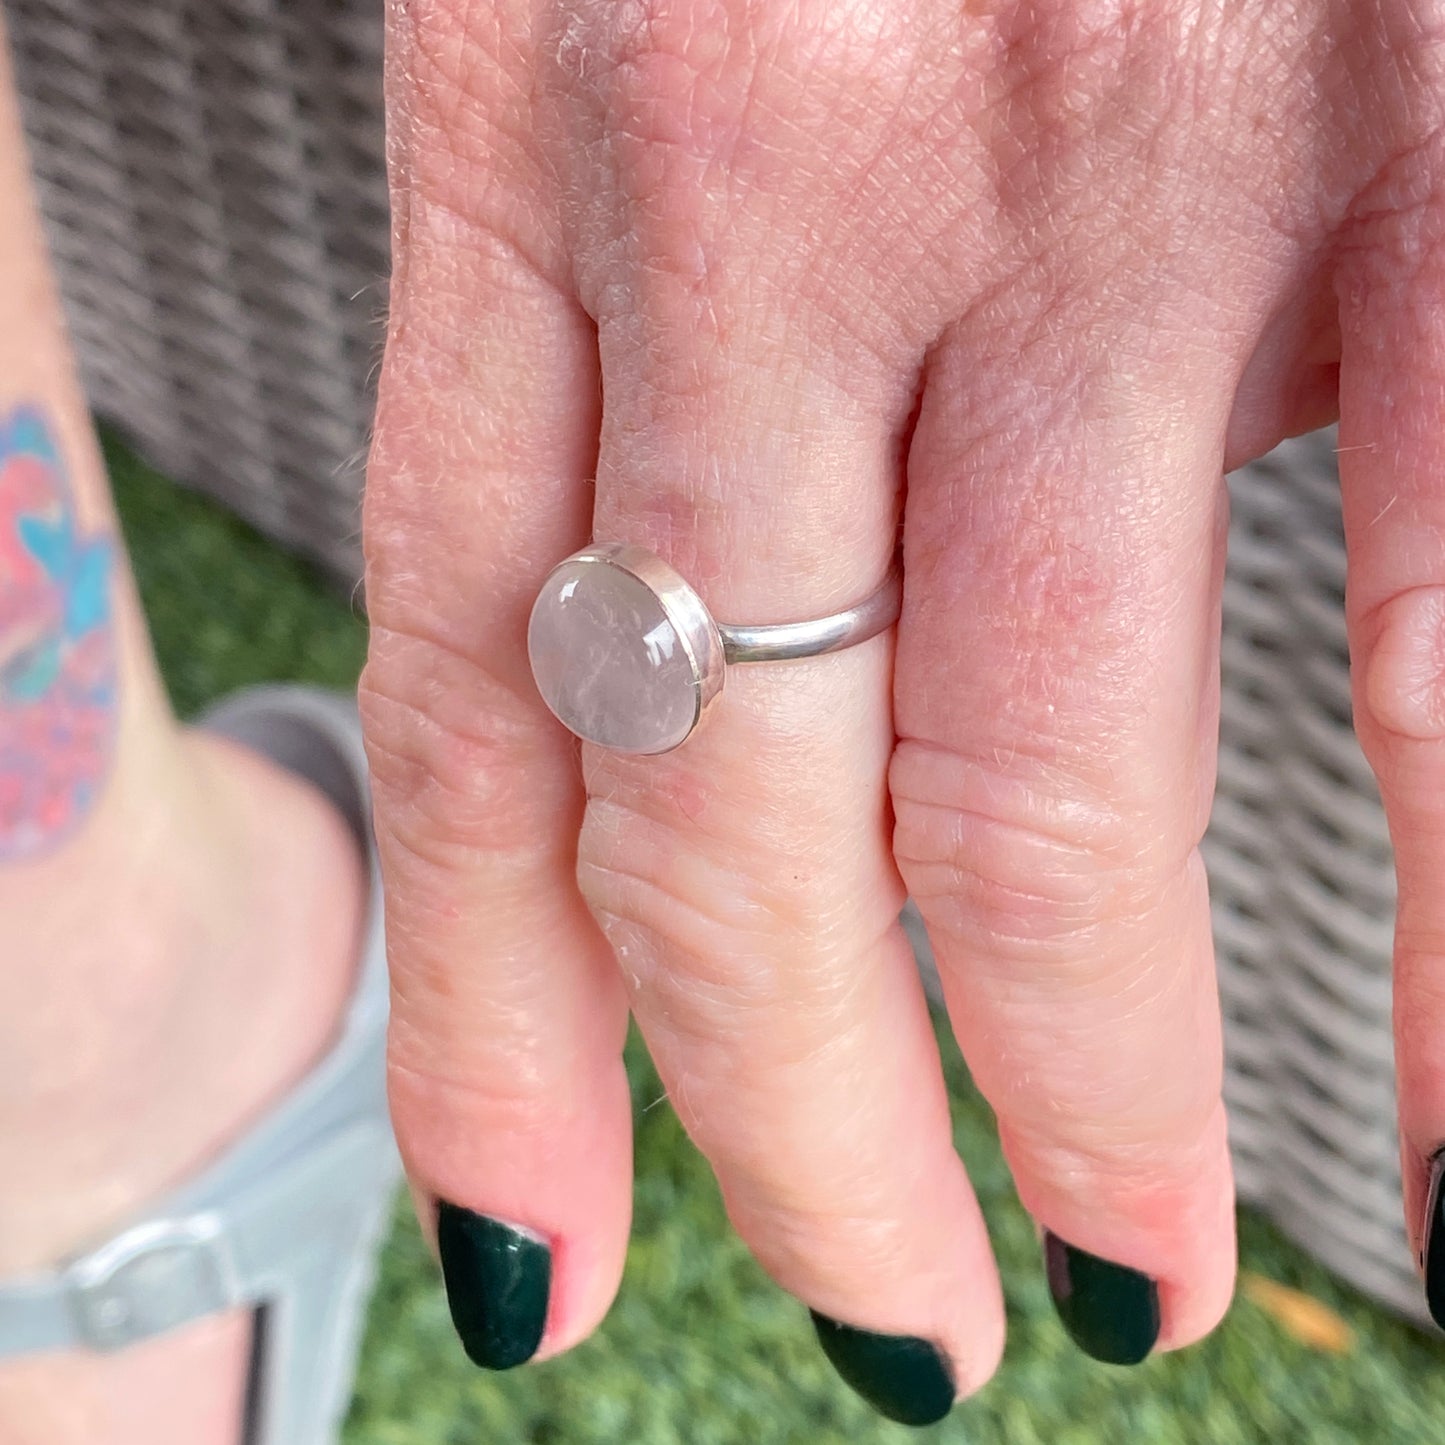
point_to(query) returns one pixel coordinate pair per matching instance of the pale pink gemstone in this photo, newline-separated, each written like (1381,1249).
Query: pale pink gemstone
(608,661)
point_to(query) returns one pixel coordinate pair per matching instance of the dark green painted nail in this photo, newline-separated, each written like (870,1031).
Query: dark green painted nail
(901,1376)
(1435,1242)
(497,1279)
(1110,1311)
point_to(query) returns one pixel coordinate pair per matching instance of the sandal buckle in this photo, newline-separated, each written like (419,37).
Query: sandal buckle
(151,1278)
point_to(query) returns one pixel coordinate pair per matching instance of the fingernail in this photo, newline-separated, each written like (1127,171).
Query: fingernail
(1110,1311)
(901,1376)
(498,1279)
(1435,1242)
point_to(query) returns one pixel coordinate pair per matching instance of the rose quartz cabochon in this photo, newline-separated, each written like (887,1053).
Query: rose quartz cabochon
(608,661)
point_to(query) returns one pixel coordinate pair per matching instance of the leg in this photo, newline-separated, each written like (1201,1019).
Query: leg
(179,918)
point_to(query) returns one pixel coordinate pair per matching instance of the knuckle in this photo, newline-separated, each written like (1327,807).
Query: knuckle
(656,894)
(725,80)
(1020,866)
(449,745)
(1403,689)
(712,932)
(652,70)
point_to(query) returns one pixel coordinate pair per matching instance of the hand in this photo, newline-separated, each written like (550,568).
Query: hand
(780,274)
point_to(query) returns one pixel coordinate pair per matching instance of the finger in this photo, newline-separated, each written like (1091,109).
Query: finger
(745,884)
(1056,704)
(1392,469)
(506,1079)
(744,879)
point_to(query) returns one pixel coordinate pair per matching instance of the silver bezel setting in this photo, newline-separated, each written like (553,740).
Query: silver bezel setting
(684,609)
(710,646)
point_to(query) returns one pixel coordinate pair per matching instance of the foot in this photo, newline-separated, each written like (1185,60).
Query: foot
(169,975)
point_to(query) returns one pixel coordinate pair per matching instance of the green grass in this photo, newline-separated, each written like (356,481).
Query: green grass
(700,1348)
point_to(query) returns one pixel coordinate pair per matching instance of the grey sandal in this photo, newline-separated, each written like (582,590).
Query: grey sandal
(288,1221)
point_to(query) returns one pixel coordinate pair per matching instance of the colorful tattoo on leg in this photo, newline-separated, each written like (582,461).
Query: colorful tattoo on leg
(57,646)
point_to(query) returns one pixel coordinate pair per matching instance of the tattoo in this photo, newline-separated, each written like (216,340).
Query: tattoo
(57,646)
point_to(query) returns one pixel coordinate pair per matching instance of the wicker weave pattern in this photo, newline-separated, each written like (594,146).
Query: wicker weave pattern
(1303,888)
(212,176)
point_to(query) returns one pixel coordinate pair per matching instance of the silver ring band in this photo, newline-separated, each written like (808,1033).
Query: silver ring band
(784,641)
(626,654)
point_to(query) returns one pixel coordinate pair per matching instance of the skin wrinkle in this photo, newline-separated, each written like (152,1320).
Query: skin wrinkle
(511,1100)
(1046,798)
(1021,979)
(710,1022)
(1054,886)
(1037,933)
(725,886)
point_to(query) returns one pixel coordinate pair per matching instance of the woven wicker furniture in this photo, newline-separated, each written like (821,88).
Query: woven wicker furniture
(211,171)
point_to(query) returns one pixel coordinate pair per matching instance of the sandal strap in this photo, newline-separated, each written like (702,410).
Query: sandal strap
(186,1263)
(283,1194)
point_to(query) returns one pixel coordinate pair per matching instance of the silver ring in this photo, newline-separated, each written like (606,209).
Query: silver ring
(627,656)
